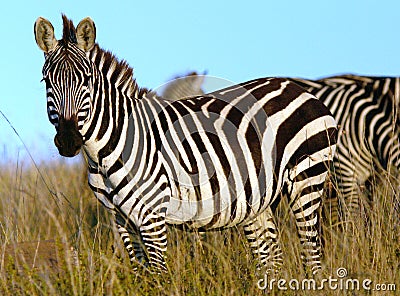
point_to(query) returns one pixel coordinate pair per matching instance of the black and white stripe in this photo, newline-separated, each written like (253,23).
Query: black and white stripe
(206,162)
(366,110)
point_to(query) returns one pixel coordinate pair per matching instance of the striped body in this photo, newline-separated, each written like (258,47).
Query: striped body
(208,162)
(211,152)
(366,110)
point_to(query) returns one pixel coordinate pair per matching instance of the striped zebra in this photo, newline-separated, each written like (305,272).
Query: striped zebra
(205,162)
(366,110)
(188,85)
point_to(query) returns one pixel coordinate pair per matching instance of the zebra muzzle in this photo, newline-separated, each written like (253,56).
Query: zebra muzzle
(68,139)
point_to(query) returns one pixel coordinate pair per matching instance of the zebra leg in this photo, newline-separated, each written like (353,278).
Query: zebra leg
(332,204)
(134,247)
(154,237)
(262,234)
(305,203)
(350,173)
(349,202)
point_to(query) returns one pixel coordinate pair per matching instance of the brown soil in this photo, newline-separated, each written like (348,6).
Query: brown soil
(33,255)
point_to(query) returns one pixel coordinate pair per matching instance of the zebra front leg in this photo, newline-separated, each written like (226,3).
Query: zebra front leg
(263,236)
(154,236)
(134,247)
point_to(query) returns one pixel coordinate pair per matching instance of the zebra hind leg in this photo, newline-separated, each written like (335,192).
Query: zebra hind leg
(262,234)
(305,204)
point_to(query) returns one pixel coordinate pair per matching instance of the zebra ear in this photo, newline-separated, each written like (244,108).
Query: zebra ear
(86,34)
(44,35)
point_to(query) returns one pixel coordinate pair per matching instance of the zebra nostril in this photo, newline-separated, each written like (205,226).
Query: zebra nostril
(68,140)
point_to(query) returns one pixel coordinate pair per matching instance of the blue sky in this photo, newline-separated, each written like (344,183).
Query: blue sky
(233,40)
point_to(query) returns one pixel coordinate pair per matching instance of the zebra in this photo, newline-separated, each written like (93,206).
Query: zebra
(206,162)
(187,85)
(366,110)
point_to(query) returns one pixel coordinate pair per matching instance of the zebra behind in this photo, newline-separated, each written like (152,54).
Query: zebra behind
(206,162)
(366,110)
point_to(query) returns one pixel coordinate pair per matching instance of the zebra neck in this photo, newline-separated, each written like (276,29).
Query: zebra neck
(115,92)
(129,151)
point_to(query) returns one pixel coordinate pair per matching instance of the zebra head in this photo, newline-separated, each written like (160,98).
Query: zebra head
(68,73)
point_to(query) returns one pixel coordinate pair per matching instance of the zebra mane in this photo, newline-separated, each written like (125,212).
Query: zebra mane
(122,71)
(69,33)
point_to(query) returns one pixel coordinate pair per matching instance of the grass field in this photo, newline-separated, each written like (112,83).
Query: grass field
(57,205)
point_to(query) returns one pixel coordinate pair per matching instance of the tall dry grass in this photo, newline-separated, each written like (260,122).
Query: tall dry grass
(57,204)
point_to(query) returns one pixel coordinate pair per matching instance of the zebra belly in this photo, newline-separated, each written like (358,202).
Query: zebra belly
(211,211)
(196,202)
